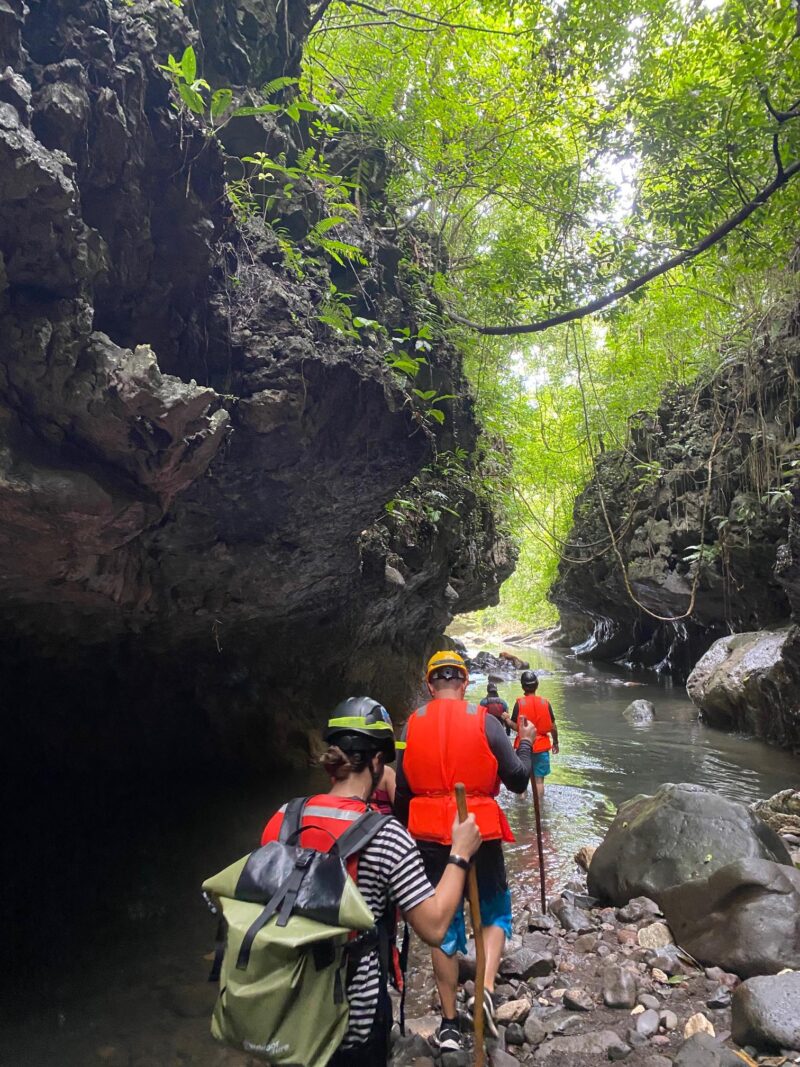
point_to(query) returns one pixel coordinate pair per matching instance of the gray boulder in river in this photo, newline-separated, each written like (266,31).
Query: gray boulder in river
(751,682)
(639,711)
(680,833)
(744,917)
(766,1012)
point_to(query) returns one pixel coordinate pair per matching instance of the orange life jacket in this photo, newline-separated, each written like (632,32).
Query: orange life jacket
(446,743)
(536,710)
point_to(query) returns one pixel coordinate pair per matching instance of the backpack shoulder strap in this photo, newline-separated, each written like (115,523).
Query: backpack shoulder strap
(292,818)
(359,835)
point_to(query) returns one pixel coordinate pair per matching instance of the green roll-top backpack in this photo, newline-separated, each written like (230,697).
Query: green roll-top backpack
(288,915)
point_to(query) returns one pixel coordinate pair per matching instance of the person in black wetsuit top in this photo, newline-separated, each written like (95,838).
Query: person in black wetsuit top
(494,703)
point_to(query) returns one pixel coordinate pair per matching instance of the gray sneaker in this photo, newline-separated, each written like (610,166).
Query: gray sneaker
(488,1012)
(448,1036)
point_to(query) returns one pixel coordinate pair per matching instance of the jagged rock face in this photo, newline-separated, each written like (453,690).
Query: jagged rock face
(704,507)
(193,468)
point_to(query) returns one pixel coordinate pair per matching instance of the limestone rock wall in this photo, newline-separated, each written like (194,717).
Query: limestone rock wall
(195,557)
(704,503)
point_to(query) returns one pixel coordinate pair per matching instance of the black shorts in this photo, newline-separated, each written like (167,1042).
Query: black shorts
(490,866)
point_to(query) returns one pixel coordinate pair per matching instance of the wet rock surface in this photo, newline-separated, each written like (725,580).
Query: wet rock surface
(745,917)
(680,833)
(639,712)
(750,682)
(766,1012)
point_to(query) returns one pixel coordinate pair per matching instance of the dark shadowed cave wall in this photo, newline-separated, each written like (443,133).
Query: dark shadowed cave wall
(195,558)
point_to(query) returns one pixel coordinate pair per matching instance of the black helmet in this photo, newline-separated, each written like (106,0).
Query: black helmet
(491,689)
(361,724)
(528,680)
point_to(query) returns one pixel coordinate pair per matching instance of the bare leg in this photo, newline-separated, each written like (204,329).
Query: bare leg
(445,972)
(494,940)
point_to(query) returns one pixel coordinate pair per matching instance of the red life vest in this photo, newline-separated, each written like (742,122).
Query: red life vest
(336,815)
(322,813)
(446,743)
(537,711)
(495,707)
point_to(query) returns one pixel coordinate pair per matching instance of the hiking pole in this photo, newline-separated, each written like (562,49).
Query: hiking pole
(477,930)
(537,808)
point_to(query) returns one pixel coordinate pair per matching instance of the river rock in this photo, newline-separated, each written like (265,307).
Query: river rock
(680,833)
(513,1011)
(525,963)
(647,1023)
(498,1058)
(766,1012)
(583,857)
(667,1020)
(744,917)
(637,909)
(696,1024)
(656,935)
(458,1058)
(720,998)
(598,1043)
(781,813)
(578,1000)
(750,682)
(639,712)
(534,1029)
(515,1035)
(571,917)
(619,987)
(701,1050)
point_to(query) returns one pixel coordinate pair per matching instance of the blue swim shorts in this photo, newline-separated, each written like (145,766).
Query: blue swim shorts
(495,911)
(540,764)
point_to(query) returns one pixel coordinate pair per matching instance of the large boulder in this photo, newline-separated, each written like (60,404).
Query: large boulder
(745,917)
(680,833)
(751,682)
(766,1012)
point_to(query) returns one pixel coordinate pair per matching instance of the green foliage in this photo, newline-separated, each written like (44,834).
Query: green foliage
(554,151)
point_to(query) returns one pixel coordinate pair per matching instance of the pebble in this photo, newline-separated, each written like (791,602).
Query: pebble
(656,935)
(647,1000)
(635,1039)
(659,975)
(668,1020)
(498,1058)
(541,922)
(578,1000)
(637,909)
(619,1052)
(660,1039)
(627,936)
(515,1034)
(586,943)
(619,987)
(647,1022)
(513,1011)
(697,1024)
(720,998)
(534,1030)
(603,950)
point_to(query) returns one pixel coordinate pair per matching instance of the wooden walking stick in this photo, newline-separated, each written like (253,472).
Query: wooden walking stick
(477,930)
(537,808)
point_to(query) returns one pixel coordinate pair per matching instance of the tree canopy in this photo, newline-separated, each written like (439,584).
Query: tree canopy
(557,152)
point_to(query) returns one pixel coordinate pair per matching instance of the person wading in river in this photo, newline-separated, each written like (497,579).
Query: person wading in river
(493,703)
(390,872)
(538,711)
(449,741)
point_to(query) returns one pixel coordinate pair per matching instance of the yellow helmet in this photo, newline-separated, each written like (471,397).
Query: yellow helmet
(446,659)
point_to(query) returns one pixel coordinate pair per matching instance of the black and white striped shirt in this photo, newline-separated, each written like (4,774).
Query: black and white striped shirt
(390,874)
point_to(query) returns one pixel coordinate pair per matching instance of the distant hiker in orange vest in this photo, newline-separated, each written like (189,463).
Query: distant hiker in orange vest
(538,711)
(444,742)
(388,870)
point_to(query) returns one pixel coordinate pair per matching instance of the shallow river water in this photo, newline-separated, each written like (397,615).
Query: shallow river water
(112,936)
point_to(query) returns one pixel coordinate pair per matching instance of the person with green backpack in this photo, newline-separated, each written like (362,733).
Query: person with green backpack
(309,917)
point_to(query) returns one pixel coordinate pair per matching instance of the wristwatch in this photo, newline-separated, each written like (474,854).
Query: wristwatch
(458,861)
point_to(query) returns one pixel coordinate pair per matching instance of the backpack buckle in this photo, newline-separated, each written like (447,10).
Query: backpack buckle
(304,858)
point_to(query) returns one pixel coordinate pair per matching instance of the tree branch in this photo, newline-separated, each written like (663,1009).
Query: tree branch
(783,177)
(319,14)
